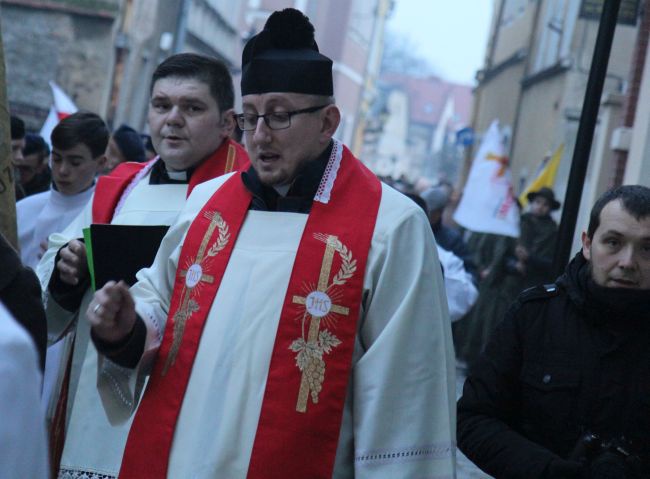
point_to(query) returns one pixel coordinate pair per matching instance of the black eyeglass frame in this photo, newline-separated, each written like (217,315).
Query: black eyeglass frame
(266,117)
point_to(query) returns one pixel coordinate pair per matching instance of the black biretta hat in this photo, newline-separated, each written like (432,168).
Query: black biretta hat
(284,58)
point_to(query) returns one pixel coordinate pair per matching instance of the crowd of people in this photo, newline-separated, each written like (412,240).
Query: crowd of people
(297,317)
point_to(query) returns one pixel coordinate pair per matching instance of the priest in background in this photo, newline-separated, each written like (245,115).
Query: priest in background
(191,120)
(295,316)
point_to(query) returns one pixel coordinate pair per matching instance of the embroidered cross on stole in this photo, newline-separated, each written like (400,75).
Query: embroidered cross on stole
(318,305)
(311,363)
(194,277)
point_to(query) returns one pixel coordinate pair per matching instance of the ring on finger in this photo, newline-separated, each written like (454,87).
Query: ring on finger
(96,308)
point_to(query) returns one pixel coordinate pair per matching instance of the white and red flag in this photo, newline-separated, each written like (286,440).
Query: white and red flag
(63,106)
(488,204)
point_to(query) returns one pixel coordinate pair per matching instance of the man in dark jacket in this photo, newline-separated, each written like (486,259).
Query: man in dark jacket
(562,389)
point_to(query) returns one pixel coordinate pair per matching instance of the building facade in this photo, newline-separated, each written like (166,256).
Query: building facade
(102,52)
(413,132)
(534,80)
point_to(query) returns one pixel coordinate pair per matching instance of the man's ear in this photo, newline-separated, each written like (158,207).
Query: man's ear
(331,120)
(228,123)
(586,246)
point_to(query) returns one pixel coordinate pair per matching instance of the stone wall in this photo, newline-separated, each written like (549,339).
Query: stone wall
(69,43)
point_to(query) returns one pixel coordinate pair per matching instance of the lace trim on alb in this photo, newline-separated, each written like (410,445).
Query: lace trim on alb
(78,474)
(415,453)
(331,170)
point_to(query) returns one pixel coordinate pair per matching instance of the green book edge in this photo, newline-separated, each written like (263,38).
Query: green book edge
(89,256)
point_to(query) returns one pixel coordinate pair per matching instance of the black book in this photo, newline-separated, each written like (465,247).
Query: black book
(118,252)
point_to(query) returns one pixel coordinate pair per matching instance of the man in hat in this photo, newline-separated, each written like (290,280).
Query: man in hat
(536,244)
(295,311)
(561,390)
(191,118)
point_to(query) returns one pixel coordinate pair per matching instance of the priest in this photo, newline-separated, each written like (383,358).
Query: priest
(191,120)
(293,323)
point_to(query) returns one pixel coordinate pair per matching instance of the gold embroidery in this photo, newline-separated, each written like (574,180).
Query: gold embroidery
(319,305)
(193,280)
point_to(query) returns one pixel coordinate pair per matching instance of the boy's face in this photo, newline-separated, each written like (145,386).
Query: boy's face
(74,170)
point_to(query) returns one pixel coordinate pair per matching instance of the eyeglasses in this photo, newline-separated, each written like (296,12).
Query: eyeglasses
(280,120)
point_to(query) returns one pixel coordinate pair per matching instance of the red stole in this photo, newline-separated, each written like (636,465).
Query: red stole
(230,156)
(301,414)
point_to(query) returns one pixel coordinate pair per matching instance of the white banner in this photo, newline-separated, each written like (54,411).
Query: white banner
(63,106)
(488,204)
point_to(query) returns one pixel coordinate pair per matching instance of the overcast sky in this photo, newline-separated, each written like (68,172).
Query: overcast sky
(451,34)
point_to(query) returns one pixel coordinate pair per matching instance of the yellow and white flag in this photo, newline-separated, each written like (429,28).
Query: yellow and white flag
(488,204)
(546,176)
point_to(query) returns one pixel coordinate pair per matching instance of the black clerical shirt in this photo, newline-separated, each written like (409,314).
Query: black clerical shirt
(301,193)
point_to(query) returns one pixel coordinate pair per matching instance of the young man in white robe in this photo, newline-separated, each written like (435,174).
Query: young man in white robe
(294,316)
(78,145)
(191,120)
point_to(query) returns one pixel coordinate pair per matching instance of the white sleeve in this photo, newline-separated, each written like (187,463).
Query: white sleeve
(23,450)
(461,291)
(403,384)
(58,319)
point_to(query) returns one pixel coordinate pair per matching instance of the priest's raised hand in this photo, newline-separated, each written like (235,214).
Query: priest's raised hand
(72,263)
(111,313)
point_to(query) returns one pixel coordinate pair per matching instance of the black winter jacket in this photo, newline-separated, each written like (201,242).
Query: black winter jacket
(565,361)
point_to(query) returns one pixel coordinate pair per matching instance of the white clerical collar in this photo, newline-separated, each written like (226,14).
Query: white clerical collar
(282,190)
(177,175)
